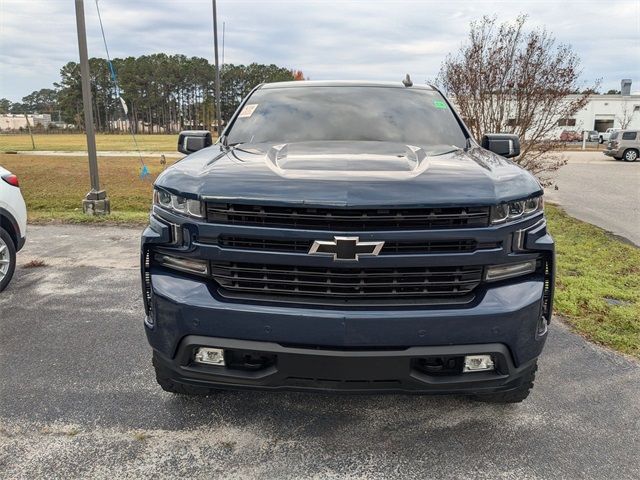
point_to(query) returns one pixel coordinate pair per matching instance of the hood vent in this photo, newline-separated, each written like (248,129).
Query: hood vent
(342,160)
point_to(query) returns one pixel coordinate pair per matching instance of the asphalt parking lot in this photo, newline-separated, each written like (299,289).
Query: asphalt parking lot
(602,191)
(78,398)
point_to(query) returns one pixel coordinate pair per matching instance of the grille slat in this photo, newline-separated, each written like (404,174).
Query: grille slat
(398,247)
(228,280)
(347,219)
(360,273)
(347,283)
(353,295)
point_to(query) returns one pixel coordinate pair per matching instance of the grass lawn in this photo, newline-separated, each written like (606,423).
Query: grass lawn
(597,283)
(76,141)
(598,275)
(53,187)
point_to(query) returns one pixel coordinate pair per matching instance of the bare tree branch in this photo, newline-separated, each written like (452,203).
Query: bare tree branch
(505,79)
(626,115)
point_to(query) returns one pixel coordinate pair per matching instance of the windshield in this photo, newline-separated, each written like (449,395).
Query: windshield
(296,114)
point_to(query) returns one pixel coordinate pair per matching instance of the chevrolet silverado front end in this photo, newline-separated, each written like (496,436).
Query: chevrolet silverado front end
(347,237)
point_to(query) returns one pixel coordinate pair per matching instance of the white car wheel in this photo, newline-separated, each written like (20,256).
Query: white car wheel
(7,259)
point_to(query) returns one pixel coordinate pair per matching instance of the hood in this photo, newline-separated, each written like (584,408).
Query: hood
(349,174)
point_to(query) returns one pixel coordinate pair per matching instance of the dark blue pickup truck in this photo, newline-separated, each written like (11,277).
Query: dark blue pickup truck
(350,237)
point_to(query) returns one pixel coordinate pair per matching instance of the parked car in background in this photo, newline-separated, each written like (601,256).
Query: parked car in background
(624,145)
(570,136)
(606,136)
(593,136)
(13,225)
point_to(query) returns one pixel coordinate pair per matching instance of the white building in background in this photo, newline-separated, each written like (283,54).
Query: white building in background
(601,112)
(605,111)
(15,121)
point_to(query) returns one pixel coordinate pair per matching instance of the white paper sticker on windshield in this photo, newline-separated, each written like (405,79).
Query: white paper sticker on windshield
(248,110)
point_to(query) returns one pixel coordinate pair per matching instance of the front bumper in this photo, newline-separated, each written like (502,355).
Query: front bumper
(351,349)
(295,368)
(322,349)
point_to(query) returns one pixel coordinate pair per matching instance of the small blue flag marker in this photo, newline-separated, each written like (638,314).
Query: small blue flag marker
(144,172)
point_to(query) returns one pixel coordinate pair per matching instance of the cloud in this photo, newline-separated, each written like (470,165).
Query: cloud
(325,39)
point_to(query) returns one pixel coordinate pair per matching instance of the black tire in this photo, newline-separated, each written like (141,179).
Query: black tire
(630,155)
(512,396)
(7,253)
(163,377)
(600,140)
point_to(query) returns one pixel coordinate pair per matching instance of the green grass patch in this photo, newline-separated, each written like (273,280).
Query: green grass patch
(54,186)
(598,275)
(597,283)
(71,142)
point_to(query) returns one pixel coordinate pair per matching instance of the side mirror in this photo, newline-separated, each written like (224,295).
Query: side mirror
(191,141)
(504,144)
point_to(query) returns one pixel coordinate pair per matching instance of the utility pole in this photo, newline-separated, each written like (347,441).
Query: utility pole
(95,202)
(217,79)
(33,143)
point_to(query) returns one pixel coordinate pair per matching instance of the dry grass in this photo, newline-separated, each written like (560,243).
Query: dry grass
(36,263)
(78,142)
(53,187)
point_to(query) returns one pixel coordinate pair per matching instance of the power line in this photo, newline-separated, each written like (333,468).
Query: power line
(217,77)
(144,170)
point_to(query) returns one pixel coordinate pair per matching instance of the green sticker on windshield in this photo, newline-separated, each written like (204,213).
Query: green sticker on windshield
(439,104)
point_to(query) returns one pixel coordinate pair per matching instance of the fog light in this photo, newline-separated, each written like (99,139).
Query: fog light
(189,265)
(509,270)
(477,363)
(210,356)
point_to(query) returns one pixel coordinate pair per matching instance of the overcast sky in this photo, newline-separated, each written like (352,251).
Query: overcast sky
(325,39)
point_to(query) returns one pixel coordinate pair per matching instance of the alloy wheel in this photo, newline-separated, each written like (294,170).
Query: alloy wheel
(631,155)
(5,259)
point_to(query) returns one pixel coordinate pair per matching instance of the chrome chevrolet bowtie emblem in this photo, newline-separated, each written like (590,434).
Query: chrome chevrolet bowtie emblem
(345,248)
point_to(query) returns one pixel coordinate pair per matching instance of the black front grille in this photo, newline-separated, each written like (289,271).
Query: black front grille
(347,283)
(347,219)
(404,247)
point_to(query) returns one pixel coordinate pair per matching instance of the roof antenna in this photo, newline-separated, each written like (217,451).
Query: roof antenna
(407,81)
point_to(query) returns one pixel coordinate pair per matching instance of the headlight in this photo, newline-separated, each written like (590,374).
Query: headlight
(515,210)
(178,204)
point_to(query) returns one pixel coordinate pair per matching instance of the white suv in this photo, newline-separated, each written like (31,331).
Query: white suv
(13,225)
